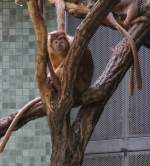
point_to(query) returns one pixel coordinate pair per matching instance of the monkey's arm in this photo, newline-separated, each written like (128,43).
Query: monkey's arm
(54,78)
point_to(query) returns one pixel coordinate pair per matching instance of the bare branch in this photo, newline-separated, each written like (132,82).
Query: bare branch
(107,83)
(82,32)
(35,112)
(82,37)
(96,92)
(41,41)
(78,10)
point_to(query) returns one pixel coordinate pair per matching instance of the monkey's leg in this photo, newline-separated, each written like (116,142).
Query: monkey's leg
(137,70)
(14,122)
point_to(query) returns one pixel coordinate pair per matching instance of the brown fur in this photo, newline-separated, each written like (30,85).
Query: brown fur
(57,59)
(86,68)
(82,83)
(128,9)
(110,18)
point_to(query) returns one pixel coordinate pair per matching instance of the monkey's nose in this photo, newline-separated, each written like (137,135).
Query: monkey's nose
(60,46)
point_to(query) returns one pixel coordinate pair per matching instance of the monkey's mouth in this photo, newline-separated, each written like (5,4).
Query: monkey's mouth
(60,49)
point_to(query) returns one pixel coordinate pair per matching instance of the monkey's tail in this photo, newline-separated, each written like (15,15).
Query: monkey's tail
(136,64)
(131,85)
(15,121)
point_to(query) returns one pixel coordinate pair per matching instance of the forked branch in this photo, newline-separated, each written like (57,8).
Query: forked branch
(106,84)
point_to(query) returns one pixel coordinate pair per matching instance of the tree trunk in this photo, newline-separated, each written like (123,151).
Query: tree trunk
(66,149)
(69,141)
(62,156)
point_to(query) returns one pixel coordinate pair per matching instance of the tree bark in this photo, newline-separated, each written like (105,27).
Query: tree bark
(69,141)
(65,144)
(36,111)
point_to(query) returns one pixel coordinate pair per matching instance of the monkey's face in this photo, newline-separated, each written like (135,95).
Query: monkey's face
(59,45)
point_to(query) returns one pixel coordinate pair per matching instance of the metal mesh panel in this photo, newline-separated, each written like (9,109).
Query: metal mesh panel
(110,123)
(139,114)
(139,159)
(103,160)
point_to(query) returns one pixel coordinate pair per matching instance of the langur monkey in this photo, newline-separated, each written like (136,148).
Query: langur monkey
(133,11)
(135,68)
(58,46)
(130,10)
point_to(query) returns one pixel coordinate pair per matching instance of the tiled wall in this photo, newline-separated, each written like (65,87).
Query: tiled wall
(29,146)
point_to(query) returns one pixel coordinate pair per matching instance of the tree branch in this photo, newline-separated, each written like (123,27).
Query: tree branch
(78,10)
(95,94)
(41,41)
(82,37)
(36,111)
(107,83)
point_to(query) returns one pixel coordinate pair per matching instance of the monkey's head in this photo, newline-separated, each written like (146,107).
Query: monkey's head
(58,42)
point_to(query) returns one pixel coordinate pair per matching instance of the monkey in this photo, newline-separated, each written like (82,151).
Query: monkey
(136,66)
(58,46)
(62,50)
(128,10)
(132,11)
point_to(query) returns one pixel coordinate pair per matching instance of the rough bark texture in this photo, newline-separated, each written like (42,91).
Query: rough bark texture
(69,141)
(67,145)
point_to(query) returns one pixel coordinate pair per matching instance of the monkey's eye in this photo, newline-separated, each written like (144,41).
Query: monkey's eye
(62,41)
(56,41)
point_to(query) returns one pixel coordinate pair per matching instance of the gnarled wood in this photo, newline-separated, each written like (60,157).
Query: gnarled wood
(66,151)
(69,141)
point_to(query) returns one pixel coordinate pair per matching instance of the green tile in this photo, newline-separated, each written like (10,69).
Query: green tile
(30,145)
